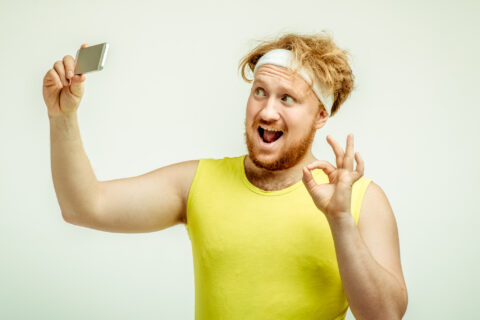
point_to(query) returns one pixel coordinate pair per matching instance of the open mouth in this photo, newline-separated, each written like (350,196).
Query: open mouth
(269,136)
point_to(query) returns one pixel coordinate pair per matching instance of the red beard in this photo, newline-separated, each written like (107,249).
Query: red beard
(288,159)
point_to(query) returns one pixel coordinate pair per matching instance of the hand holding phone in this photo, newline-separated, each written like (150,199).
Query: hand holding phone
(63,85)
(90,59)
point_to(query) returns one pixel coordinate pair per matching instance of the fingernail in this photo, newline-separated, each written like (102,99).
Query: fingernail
(70,73)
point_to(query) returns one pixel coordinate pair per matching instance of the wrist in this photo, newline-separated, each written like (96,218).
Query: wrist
(64,127)
(63,117)
(341,220)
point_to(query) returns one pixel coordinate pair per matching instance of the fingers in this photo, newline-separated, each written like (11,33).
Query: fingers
(60,69)
(69,66)
(78,78)
(326,166)
(360,164)
(52,79)
(62,75)
(345,160)
(348,158)
(65,69)
(339,154)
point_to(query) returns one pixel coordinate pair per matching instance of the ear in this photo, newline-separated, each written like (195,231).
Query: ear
(321,117)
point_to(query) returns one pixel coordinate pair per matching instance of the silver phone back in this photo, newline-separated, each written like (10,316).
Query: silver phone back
(91,59)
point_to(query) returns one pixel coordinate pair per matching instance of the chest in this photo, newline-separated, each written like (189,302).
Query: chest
(265,230)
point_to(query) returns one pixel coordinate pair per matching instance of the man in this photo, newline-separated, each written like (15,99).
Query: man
(277,233)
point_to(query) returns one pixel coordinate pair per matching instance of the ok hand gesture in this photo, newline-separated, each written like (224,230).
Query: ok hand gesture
(334,198)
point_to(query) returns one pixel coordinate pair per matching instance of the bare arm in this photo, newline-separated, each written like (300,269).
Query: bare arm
(149,202)
(369,259)
(75,183)
(153,201)
(368,256)
(146,203)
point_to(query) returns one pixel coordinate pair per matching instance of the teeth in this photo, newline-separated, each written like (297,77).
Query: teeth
(270,129)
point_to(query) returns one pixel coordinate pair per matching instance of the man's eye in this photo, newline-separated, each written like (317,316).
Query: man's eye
(256,90)
(287,96)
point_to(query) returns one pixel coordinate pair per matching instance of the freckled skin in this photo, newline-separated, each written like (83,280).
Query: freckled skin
(284,102)
(296,118)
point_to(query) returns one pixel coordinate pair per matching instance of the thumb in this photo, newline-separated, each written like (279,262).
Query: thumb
(77,86)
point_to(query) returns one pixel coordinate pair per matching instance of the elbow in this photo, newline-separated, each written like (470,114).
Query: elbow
(395,310)
(67,217)
(404,304)
(380,315)
(72,217)
(80,214)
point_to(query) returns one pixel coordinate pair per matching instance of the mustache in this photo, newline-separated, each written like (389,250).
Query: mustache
(264,124)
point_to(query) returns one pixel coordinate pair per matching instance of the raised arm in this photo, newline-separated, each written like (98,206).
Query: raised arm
(153,201)
(145,203)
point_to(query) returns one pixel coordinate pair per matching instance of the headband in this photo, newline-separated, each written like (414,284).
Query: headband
(284,58)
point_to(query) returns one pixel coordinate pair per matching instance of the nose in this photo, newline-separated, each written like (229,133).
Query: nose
(269,112)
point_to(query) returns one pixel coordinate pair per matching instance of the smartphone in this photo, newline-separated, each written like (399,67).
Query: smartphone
(91,58)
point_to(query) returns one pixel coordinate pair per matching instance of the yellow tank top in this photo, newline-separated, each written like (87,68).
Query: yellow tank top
(262,254)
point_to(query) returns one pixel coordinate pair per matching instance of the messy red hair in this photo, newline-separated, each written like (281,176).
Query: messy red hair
(318,54)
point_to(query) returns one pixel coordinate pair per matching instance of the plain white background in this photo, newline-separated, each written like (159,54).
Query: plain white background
(170,92)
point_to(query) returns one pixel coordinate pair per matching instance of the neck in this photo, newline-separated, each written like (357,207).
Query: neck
(279,179)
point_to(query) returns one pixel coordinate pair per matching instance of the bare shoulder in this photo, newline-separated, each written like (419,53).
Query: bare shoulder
(183,174)
(189,170)
(378,228)
(375,209)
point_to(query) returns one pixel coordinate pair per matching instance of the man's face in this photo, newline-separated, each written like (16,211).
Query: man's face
(283,102)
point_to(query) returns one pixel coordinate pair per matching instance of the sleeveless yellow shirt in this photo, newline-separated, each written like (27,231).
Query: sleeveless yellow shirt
(262,254)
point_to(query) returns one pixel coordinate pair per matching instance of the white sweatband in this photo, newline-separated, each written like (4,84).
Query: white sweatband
(284,58)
